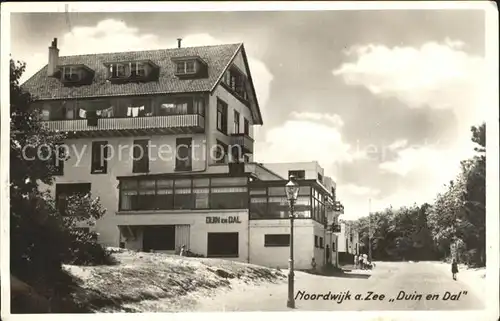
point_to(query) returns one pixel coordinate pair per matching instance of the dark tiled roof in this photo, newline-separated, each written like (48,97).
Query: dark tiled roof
(217,58)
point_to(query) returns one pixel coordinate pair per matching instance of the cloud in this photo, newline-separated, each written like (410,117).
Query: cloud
(398,144)
(436,75)
(330,118)
(116,36)
(308,139)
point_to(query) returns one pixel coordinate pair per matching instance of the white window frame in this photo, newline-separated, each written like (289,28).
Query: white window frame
(185,67)
(70,73)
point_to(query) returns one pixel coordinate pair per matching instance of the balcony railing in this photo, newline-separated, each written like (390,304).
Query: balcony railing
(174,124)
(244,141)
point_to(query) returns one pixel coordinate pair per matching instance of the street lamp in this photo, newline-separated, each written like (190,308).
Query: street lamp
(292,192)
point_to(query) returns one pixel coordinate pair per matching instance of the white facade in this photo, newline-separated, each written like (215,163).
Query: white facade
(348,238)
(194,228)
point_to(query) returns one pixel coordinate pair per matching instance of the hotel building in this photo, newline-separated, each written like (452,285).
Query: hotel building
(164,139)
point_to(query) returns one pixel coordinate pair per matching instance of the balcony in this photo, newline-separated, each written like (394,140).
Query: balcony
(244,141)
(131,126)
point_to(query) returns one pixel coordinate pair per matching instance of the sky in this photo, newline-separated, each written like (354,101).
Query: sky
(383,100)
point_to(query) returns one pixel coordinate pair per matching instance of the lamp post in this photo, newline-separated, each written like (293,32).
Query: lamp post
(292,191)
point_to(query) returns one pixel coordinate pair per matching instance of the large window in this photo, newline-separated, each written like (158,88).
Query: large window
(183,193)
(221,116)
(184,157)
(141,156)
(275,240)
(99,157)
(159,238)
(222,245)
(182,106)
(271,203)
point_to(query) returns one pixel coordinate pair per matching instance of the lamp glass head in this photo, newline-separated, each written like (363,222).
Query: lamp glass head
(292,189)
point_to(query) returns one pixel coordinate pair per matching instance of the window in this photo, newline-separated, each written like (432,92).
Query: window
(59,157)
(147,194)
(201,192)
(141,156)
(183,198)
(246,127)
(275,240)
(236,81)
(236,124)
(99,157)
(222,245)
(221,151)
(320,178)
(246,158)
(126,70)
(228,193)
(186,67)
(160,238)
(137,69)
(298,174)
(71,74)
(321,245)
(183,159)
(334,196)
(64,191)
(165,194)
(316,241)
(183,106)
(183,193)
(333,247)
(221,116)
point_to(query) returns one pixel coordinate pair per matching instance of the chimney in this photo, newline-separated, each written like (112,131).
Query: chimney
(179,40)
(53,59)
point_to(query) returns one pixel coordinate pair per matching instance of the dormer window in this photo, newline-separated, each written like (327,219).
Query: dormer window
(190,67)
(132,71)
(76,75)
(71,74)
(186,67)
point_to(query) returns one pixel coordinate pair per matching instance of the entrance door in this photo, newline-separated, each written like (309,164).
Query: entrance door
(158,238)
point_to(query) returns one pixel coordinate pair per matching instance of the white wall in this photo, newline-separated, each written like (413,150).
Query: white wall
(198,227)
(278,256)
(319,253)
(311,168)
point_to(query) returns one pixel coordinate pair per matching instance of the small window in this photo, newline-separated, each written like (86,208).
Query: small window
(298,174)
(321,245)
(316,241)
(99,157)
(236,123)
(246,158)
(320,178)
(141,156)
(221,116)
(276,240)
(246,127)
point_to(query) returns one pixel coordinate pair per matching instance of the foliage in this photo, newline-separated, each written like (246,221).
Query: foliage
(41,240)
(453,225)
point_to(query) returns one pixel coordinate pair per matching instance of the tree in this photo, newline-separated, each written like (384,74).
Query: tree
(41,239)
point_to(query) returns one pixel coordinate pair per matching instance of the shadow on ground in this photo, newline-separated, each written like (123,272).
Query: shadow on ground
(338,273)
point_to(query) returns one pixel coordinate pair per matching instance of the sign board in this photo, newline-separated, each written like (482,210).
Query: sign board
(223,220)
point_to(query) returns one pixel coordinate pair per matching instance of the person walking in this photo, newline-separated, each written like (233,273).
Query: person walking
(454,269)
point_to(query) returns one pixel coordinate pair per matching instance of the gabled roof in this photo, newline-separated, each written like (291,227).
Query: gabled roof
(217,57)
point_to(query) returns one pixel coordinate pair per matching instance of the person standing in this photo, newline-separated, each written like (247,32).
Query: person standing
(454,269)
(355,261)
